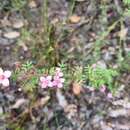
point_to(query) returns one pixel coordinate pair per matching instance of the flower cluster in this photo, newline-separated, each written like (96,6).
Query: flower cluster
(4,77)
(56,80)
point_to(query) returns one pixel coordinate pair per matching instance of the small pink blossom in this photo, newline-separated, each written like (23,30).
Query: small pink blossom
(103,88)
(55,81)
(58,72)
(109,95)
(58,81)
(94,66)
(46,81)
(4,75)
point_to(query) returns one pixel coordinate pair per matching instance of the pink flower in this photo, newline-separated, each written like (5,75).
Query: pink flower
(58,72)
(55,81)
(109,95)
(58,69)
(4,75)
(103,88)
(94,66)
(46,81)
(58,81)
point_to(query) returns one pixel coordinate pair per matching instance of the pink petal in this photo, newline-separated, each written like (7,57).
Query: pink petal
(60,74)
(60,85)
(42,78)
(94,66)
(58,69)
(1,81)
(43,86)
(62,80)
(109,95)
(50,84)
(5,82)
(7,73)
(103,88)
(49,77)
(54,83)
(56,77)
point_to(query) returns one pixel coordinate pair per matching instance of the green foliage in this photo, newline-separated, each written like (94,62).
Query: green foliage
(63,67)
(100,76)
(4,5)
(30,84)
(19,128)
(126,12)
(18,4)
(12,5)
(15,126)
(78,74)
(27,66)
(25,35)
(126,2)
(29,75)
(26,75)
(44,46)
(51,71)
(72,5)
(125,64)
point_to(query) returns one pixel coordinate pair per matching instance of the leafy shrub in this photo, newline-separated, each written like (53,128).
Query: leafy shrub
(98,76)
